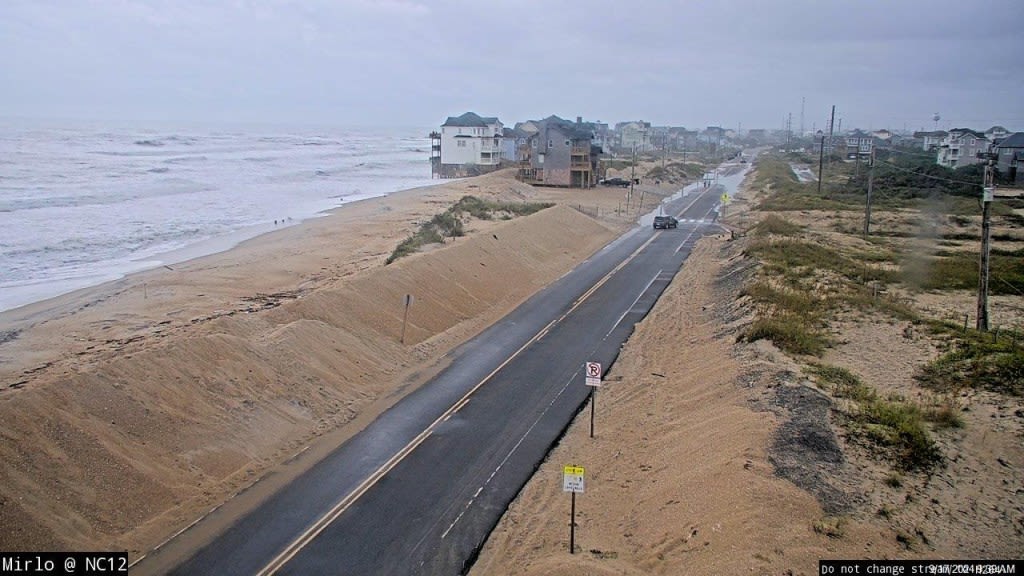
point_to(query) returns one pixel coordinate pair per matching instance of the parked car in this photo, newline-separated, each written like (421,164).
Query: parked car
(621,182)
(665,222)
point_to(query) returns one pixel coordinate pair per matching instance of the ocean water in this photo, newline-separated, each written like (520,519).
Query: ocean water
(86,204)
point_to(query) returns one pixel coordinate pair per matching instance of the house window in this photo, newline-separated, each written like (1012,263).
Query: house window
(540,158)
(461,143)
(551,143)
(566,142)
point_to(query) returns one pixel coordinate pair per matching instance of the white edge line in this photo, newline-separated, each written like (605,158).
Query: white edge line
(630,308)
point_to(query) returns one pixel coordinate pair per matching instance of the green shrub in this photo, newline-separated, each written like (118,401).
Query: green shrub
(774,225)
(900,426)
(977,362)
(959,271)
(789,333)
(894,424)
(449,224)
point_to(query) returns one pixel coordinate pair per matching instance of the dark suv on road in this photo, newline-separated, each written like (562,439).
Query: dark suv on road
(665,222)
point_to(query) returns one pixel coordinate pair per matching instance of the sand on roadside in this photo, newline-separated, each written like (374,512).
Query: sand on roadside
(717,456)
(679,475)
(132,408)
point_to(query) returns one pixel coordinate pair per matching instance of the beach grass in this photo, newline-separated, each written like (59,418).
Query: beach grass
(450,223)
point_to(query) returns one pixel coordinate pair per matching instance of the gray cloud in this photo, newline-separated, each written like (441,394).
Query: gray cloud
(883,63)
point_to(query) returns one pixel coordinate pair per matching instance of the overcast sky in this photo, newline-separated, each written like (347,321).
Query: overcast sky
(883,63)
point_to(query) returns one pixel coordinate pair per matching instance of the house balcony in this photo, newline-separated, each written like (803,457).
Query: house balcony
(489,159)
(531,175)
(580,165)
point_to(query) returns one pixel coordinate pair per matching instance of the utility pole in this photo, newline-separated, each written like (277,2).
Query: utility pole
(821,153)
(821,161)
(632,179)
(871,180)
(986,230)
(789,131)
(803,100)
(831,126)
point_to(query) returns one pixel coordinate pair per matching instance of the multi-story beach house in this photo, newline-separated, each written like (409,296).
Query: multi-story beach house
(930,140)
(961,147)
(559,153)
(1010,156)
(634,135)
(859,143)
(996,133)
(470,144)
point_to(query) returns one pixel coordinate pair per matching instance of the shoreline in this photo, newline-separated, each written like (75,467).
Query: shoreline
(164,392)
(137,264)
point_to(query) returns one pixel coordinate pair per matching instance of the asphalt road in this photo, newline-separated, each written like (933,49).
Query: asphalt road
(419,489)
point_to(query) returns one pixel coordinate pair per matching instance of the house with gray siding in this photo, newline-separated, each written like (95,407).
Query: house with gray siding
(961,147)
(930,140)
(859,143)
(1010,156)
(560,153)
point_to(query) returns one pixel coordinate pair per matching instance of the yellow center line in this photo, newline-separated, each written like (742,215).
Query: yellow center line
(324,521)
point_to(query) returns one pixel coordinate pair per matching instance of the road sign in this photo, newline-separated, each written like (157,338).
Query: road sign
(572,479)
(593,374)
(725,198)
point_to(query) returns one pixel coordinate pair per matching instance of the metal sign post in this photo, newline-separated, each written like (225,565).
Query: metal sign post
(405,316)
(593,379)
(572,481)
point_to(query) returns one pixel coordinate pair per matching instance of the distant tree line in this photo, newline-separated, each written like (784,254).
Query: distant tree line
(905,174)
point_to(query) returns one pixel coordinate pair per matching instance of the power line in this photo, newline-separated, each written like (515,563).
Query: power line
(1011,286)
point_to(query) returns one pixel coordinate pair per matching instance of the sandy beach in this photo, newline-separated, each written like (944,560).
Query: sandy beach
(132,408)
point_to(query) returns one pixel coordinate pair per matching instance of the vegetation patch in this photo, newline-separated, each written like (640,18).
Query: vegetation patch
(959,271)
(788,332)
(449,224)
(787,317)
(893,424)
(806,258)
(773,225)
(676,172)
(831,526)
(977,362)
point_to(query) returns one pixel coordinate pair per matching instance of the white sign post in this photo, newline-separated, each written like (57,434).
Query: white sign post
(593,379)
(572,481)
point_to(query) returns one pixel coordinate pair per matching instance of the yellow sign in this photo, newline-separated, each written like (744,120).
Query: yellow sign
(572,470)
(725,198)
(572,479)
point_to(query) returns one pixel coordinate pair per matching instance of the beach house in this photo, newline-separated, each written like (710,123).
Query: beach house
(1009,157)
(470,144)
(634,135)
(961,147)
(559,153)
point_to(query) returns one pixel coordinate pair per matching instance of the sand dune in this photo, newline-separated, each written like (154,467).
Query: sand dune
(132,408)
